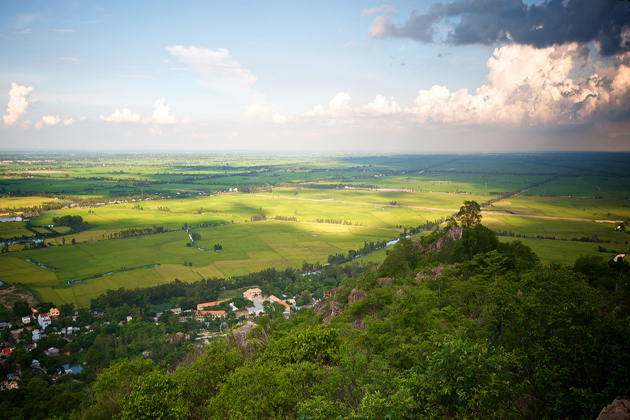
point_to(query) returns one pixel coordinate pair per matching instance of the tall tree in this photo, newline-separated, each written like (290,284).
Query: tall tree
(469,214)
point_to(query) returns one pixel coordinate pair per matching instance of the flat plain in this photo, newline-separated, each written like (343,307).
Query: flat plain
(562,205)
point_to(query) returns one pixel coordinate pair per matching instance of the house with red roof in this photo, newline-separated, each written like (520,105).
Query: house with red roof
(202,315)
(210,304)
(280,301)
(250,294)
(44,320)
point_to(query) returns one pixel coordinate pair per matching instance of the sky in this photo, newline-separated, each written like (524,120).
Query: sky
(396,76)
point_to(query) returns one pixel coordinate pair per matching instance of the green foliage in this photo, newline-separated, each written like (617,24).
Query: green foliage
(571,351)
(469,214)
(401,258)
(476,240)
(463,378)
(21,308)
(154,395)
(112,386)
(267,390)
(313,344)
(67,220)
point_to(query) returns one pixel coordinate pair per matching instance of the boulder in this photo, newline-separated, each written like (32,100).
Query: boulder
(328,310)
(618,410)
(434,274)
(249,337)
(175,338)
(356,295)
(385,281)
(330,293)
(454,233)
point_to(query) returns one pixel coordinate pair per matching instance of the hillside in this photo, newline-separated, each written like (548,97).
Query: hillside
(447,327)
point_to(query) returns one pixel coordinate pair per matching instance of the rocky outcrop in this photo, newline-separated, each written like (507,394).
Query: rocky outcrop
(356,295)
(175,338)
(434,274)
(385,281)
(328,310)
(618,410)
(454,233)
(330,293)
(249,337)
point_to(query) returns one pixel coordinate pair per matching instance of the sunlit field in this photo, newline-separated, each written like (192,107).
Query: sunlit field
(322,205)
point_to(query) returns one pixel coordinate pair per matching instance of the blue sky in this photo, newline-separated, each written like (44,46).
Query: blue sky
(393,76)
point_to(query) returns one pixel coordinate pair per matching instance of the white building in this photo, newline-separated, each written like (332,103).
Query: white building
(43,320)
(26,320)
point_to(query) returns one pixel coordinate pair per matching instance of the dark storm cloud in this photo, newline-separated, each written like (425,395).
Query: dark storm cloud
(540,25)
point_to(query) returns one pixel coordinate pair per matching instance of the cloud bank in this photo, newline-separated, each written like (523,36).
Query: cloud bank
(552,22)
(524,86)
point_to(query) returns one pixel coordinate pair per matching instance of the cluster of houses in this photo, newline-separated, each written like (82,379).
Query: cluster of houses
(205,312)
(254,295)
(44,320)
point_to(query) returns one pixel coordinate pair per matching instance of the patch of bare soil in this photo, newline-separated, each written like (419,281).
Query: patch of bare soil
(14,293)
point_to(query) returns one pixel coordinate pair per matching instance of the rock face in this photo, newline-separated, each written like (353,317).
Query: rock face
(618,410)
(435,273)
(175,338)
(455,234)
(328,310)
(330,293)
(249,337)
(385,281)
(355,295)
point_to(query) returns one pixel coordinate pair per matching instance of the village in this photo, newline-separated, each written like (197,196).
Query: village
(24,339)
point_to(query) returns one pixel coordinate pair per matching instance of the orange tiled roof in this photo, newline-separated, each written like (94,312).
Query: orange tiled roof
(205,305)
(210,312)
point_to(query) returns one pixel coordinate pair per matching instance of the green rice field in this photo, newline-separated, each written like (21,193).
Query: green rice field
(324,204)
(247,248)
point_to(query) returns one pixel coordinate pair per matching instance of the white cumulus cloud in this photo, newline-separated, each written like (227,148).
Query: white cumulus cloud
(161,113)
(120,116)
(217,69)
(381,27)
(51,119)
(278,118)
(69,121)
(524,86)
(381,106)
(17,103)
(338,107)
(529,86)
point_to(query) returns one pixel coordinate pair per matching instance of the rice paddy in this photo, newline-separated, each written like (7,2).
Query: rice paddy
(321,204)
